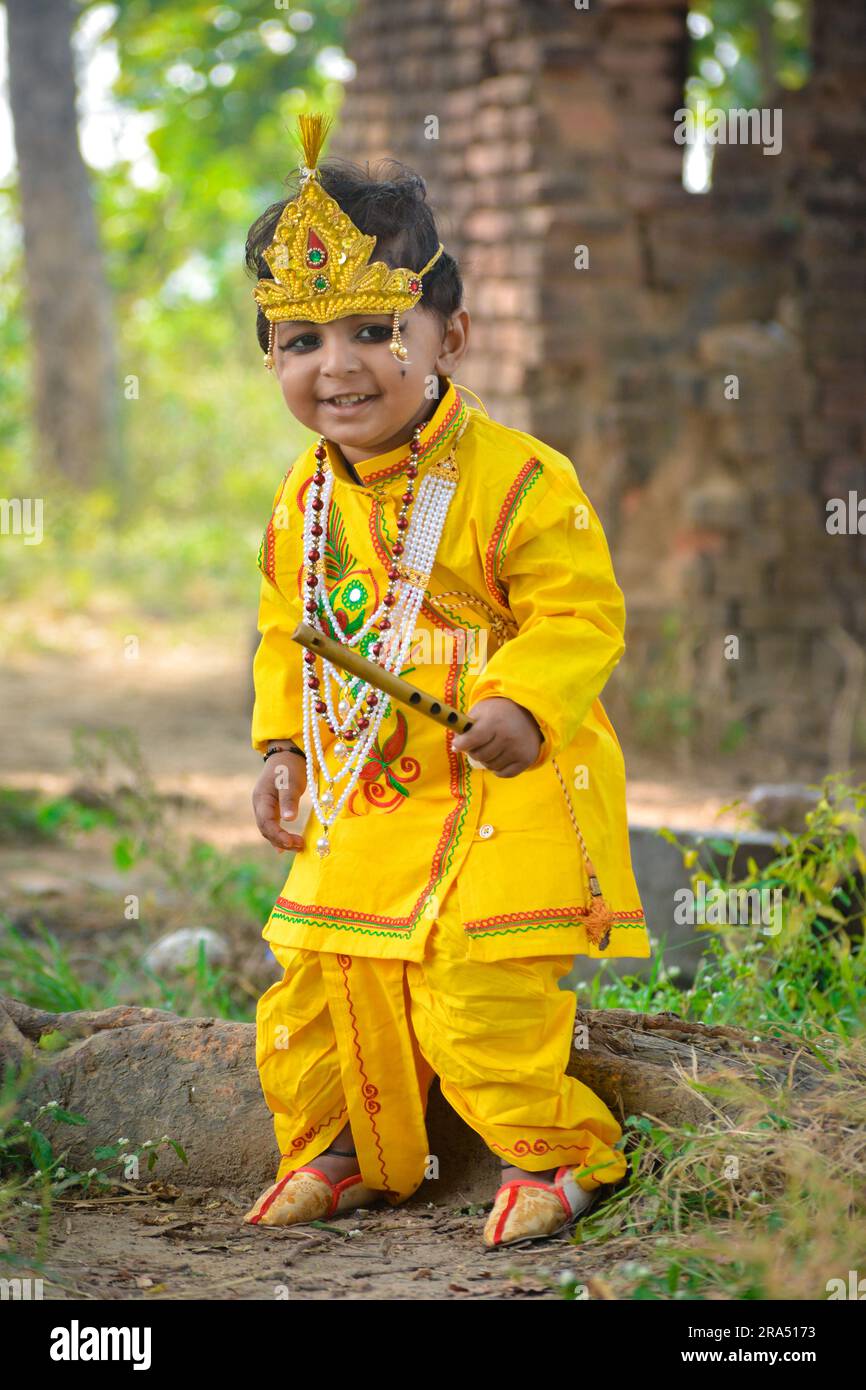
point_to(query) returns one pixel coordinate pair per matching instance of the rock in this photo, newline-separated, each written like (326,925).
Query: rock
(144,1073)
(783,805)
(38,885)
(179,950)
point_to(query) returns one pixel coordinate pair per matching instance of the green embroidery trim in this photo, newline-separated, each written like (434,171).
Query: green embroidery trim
(536,925)
(306,920)
(449,425)
(525,481)
(339,560)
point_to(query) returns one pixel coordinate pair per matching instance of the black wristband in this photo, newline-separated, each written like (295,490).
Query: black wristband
(290,749)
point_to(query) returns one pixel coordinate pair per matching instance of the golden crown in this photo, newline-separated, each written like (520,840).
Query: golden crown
(321,261)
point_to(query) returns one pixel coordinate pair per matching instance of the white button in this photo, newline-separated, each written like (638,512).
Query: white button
(485,831)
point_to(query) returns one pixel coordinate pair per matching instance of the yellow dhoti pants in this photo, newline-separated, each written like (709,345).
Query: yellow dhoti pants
(360,1039)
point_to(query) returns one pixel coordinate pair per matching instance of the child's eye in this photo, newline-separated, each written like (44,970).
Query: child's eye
(297,342)
(306,341)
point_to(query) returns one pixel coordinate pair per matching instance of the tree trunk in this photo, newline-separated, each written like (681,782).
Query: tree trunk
(75,391)
(143,1073)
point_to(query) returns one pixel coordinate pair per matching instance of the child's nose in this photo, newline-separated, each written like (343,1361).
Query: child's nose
(338,357)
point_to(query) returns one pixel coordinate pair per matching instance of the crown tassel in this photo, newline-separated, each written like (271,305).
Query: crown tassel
(313,128)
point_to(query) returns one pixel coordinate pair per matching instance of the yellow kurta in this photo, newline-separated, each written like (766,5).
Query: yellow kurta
(521,539)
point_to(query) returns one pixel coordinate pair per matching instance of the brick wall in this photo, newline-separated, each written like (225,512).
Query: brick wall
(555,131)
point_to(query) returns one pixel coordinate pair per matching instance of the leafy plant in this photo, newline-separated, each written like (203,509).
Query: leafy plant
(29,815)
(33,1175)
(806,981)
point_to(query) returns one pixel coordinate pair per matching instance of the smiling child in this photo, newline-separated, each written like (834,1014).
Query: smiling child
(442,885)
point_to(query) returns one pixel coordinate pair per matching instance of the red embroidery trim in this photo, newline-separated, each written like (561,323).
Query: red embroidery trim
(268,559)
(310,1135)
(449,423)
(543,914)
(368,1090)
(343,914)
(538,1146)
(492,564)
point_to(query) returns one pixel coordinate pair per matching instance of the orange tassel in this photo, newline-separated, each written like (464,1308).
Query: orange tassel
(598,922)
(599,918)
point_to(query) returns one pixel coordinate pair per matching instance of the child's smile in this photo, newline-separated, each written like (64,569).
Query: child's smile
(341,379)
(349,404)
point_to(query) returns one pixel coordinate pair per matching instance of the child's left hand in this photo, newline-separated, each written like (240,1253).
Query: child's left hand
(504,736)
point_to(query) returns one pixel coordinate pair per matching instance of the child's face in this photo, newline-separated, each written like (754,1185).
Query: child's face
(351,356)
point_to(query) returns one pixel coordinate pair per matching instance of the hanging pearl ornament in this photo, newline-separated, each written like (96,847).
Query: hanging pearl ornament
(360,706)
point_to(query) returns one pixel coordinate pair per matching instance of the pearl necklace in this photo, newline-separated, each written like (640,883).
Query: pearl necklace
(360,712)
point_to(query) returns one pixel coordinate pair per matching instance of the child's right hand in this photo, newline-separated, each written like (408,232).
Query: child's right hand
(276,797)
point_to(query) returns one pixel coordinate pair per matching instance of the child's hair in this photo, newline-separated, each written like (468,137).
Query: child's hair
(392,209)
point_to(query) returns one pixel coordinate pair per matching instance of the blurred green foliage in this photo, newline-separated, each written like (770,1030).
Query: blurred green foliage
(212,91)
(743,49)
(206,434)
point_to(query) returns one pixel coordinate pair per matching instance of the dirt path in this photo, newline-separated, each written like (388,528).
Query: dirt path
(198,1247)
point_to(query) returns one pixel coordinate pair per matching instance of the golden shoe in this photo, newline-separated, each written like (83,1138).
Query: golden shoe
(308,1194)
(530,1209)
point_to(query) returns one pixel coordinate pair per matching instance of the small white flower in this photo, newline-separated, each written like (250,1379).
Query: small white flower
(121,1141)
(60,1173)
(91,1172)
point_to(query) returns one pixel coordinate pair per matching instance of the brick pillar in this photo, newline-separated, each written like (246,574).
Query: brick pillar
(554,130)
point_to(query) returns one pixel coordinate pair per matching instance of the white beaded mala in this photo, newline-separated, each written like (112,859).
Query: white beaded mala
(360,711)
